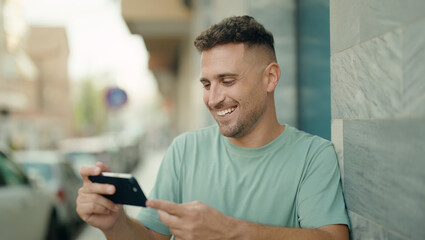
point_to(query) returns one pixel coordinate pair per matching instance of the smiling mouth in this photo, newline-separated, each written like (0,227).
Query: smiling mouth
(226,111)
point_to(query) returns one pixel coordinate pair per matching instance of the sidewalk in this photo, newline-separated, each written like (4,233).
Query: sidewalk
(145,173)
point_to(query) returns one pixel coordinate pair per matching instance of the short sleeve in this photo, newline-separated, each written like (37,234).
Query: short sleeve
(166,188)
(320,200)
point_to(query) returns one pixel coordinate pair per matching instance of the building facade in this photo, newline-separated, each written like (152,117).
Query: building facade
(34,84)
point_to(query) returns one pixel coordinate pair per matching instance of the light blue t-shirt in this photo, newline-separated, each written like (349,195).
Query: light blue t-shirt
(294,181)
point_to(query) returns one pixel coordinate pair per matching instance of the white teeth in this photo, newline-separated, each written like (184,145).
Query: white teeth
(226,111)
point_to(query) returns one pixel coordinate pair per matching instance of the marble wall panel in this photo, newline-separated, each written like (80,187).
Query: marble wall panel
(337,136)
(362,229)
(353,22)
(384,175)
(414,69)
(366,79)
(345,24)
(395,236)
(380,16)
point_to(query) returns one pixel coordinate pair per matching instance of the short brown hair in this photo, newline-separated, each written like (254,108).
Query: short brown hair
(237,29)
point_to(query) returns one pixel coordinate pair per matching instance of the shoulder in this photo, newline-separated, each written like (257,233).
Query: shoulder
(194,137)
(302,138)
(310,145)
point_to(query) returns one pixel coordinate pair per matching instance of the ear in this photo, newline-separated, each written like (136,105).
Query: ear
(272,74)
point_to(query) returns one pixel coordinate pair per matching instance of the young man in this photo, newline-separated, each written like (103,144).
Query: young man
(248,177)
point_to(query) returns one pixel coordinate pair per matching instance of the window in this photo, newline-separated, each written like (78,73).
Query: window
(10,174)
(44,170)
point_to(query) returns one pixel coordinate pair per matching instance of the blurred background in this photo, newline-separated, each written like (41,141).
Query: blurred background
(115,80)
(106,68)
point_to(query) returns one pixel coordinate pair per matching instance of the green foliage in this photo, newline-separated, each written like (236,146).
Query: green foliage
(90,115)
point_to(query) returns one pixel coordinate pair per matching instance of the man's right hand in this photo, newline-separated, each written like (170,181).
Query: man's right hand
(92,207)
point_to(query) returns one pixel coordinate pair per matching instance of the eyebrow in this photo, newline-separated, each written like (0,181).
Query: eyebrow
(227,75)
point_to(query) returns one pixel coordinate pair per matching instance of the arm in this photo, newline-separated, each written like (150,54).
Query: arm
(197,220)
(129,228)
(249,230)
(106,215)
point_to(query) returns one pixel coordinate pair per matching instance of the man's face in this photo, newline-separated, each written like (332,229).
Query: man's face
(234,90)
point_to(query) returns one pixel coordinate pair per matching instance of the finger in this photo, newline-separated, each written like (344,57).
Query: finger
(167,206)
(94,203)
(88,209)
(103,166)
(93,208)
(86,171)
(170,220)
(97,188)
(179,234)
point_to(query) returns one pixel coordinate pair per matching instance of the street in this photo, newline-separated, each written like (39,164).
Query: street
(145,173)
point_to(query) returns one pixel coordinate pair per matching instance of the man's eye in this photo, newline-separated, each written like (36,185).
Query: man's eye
(228,81)
(207,85)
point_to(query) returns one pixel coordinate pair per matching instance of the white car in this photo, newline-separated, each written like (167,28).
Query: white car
(26,211)
(59,178)
(78,160)
(103,148)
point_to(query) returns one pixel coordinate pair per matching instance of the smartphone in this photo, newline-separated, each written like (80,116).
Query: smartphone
(127,190)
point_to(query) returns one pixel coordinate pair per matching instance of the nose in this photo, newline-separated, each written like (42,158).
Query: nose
(214,97)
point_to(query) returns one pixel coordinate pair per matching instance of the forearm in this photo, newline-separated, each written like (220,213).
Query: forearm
(129,228)
(196,220)
(247,230)
(254,231)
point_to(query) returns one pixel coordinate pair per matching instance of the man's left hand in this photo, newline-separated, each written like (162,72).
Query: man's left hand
(194,220)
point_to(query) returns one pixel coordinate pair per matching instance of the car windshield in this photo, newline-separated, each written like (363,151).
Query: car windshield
(44,170)
(10,174)
(78,160)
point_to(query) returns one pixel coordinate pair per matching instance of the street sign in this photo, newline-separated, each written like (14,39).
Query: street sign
(116,98)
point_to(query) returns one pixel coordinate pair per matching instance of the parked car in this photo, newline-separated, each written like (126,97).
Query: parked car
(103,148)
(26,210)
(77,160)
(60,179)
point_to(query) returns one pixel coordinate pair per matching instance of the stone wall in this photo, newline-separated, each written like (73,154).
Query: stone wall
(378,114)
